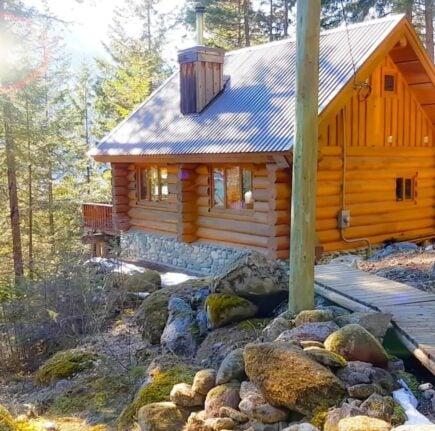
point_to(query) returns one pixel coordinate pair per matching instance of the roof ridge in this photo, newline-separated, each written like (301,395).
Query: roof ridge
(393,18)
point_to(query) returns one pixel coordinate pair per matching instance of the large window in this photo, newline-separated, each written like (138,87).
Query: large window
(152,184)
(232,188)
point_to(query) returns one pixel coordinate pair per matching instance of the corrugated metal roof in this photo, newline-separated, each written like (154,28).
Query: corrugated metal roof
(255,112)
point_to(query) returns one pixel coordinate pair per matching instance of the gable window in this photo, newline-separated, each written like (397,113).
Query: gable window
(389,83)
(152,184)
(232,188)
(405,189)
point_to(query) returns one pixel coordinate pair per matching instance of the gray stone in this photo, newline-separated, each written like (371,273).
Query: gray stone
(204,381)
(324,357)
(378,407)
(305,426)
(275,328)
(256,407)
(335,415)
(234,414)
(318,331)
(231,368)
(177,336)
(351,260)
(335,310)
(226,395)
(312,316)
(361,391)
(376,323)
(183,395)
(254,277)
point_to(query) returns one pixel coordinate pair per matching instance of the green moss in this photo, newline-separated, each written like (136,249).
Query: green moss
(411,381)
(7,422)
(399,416)
(319,417)
(102,393)
(156,391)
(253,324)
(64,365)
(223,308)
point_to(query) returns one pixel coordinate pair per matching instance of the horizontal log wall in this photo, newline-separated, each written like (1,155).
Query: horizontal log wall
(157,217)
(120,198)
(263,228)
(371,195)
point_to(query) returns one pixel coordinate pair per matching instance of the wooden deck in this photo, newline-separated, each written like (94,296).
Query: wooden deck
(413,310)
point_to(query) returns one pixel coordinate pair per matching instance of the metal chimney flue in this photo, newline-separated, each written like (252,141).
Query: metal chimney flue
(199,9)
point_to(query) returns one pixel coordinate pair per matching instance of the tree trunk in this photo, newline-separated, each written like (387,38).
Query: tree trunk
(13,193)
(29,191)
(408,10)
(246,7)
(271,21)
(239,29)
(149,24)
(286,12)
(428,15)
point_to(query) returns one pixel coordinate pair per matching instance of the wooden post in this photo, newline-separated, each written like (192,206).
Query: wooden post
(303,212)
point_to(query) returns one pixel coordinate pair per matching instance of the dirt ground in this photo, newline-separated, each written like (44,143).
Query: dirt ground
(415,268)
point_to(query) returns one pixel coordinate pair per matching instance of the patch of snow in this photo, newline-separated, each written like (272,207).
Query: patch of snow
(407,400)
(172,278)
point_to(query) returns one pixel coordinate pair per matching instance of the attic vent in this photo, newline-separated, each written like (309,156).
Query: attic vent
(389,83)
(201,77)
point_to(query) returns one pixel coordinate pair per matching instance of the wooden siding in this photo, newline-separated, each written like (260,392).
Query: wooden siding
(157,217)
(373,162)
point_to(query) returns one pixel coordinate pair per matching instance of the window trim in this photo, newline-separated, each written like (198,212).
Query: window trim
(226,166)
(404,177)
(394,74)
(149,200)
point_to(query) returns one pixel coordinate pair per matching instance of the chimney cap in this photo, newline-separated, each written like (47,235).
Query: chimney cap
(199,8)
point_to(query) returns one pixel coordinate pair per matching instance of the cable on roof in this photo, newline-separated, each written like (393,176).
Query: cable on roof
(363,88)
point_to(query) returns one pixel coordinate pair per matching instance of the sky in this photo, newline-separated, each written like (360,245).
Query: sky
(88,23)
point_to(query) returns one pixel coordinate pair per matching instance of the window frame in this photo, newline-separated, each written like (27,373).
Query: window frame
(224,167)
(394,74)
(402,179)
(149,198)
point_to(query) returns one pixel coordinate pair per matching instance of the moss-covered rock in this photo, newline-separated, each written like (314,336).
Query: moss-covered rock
(163,416)
(147,281)
(355,343)
(399,416)
(64,365)
(161,380)
(254,277)
(225,308)
(153,313)
(288,377)
(311,316)
(7,422)
(325,357)
(226,395)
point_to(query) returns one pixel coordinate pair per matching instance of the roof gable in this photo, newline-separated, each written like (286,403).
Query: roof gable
(255,112)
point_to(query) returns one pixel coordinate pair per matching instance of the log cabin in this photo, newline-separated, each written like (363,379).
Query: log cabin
(206,160)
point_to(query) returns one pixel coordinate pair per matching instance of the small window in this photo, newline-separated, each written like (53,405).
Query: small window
(389,83)
(405,189)
(153,184)
(232,188)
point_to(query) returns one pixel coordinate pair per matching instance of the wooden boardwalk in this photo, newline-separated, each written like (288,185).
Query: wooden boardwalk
(413,310)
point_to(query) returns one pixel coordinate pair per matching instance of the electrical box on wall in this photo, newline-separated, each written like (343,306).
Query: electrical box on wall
(344,219)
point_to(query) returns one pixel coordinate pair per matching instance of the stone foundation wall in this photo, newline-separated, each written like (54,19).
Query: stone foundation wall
(206,259)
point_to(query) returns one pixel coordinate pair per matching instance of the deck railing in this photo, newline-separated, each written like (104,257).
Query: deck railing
(97,217)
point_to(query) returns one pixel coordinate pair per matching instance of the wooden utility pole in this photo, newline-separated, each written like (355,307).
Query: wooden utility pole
(303,212)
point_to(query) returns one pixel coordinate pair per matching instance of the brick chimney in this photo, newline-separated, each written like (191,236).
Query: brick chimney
(201,72)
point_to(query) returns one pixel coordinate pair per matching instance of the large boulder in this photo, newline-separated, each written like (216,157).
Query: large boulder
(363,423)
(315,331)
(375,323)
(146,281)
(226,395)
(231,368)
(284,374)
(164,416)
(254,277)
(63,365)
(355,343)
(225,308)
(178,335)
(153,313)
